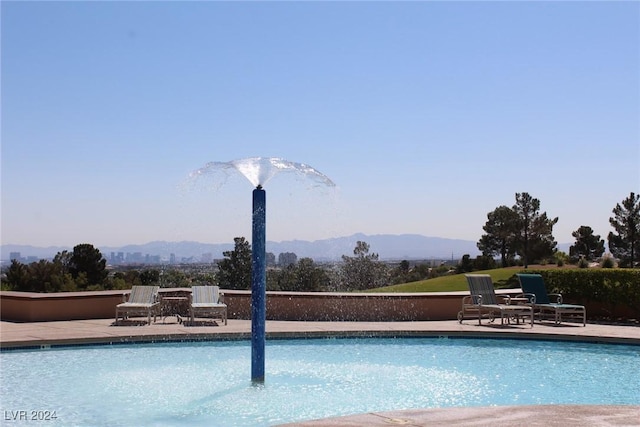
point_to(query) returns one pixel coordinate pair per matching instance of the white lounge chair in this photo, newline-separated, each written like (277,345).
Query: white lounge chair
(483,301)
(206,301)
(143,300)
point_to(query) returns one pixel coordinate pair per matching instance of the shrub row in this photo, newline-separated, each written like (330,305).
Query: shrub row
(611,287)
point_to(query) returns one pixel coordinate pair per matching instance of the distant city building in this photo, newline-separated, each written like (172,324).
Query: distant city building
(134,258)
(116,258)
(15,256)
(287,258)
(152,259)
(271,259)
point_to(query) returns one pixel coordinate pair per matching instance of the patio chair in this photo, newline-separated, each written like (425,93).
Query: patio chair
(206,301)
(143,300)
(534,290)
(483,301)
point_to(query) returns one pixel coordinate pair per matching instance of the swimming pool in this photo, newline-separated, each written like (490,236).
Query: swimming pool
(208,383)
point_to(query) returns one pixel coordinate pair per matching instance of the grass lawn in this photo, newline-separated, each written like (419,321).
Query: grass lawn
(450,283)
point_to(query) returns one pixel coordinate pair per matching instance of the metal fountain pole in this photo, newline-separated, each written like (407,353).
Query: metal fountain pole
(258,286)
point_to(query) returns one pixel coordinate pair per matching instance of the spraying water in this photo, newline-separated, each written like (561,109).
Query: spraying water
(259,170)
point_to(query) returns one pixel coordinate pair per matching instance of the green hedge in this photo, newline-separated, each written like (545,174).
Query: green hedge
(613,287)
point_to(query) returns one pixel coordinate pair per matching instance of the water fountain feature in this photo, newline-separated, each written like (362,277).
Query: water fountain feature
(259,170)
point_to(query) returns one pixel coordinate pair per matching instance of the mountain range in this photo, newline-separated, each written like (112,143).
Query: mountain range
(387,246)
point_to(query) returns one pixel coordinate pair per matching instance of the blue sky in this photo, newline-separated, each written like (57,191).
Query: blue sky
(427,116)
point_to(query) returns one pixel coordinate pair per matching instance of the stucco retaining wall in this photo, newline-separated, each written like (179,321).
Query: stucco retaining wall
(329,306)
(40,307)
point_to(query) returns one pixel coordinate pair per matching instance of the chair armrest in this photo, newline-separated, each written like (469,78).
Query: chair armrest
(505,298)
(476,299)
(558,296)
(530,297)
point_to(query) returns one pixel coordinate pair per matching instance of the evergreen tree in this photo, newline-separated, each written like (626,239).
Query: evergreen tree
(520,230)
(17,276)
(500,230)
(234,271)
(88,262)
(587,244)
(363,271)
(625,245)
(534,231)
(310,277)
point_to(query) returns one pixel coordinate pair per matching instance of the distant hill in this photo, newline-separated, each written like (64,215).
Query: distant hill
(388,246)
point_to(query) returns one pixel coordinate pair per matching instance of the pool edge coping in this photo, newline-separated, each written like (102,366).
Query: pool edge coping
(37,343)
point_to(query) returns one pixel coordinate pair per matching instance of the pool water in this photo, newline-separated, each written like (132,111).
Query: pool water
(209,384)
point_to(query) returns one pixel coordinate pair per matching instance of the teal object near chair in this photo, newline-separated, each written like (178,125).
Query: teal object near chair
(533,287)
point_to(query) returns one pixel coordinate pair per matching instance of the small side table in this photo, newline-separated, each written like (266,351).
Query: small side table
(520,301)
(170,306)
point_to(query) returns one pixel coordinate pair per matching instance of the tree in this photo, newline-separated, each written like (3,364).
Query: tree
(484,262)
(534,231)
(500,230)
(403,267)
(404,273)
(542,245)
(281,279)
(304,276)
(587,244)
(521,230)
(40,276)
(234,271)
(150,277)
(287,258)
(465,265)
(45,276)
(174,278)
(309,277)
(63,259)
(363,271)
(625,245)
(87,260)
(401,273)
(17,276)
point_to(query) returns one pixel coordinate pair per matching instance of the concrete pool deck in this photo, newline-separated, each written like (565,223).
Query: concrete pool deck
(16,334)
(44,334)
